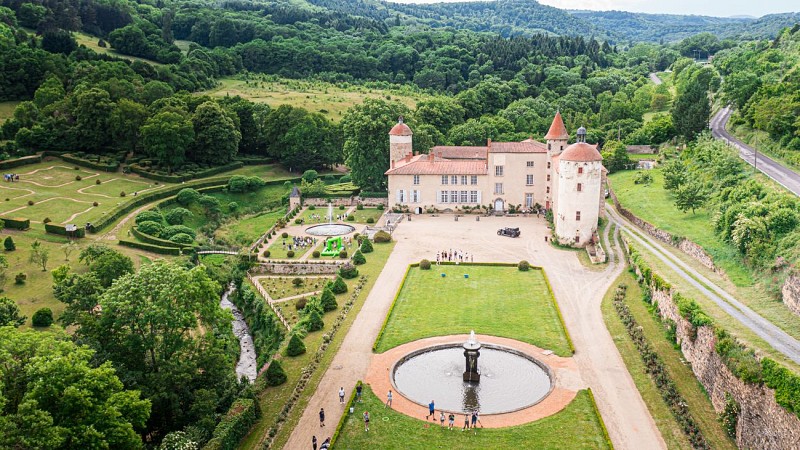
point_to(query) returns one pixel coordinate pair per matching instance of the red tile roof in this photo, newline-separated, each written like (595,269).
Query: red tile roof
(526,146)
(581,152)
(421,165)
(557,129)
(400,129)
(460,152)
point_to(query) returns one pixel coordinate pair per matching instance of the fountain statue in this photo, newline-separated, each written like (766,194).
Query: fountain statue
(331,228)
(330,212)
(471,353)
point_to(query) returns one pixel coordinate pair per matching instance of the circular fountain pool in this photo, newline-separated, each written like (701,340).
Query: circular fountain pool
(330,229)
(509,381)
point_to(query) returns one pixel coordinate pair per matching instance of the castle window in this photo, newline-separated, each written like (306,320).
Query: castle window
(498,171)
(415,196)
(580,187)
(548,189)
(529,180)
(548,177)
(530,164)
(444,179)
(580,170)
(416,179)
(548,164)
(577,238)
(562,147)
(549,146)
(401,196)
(529,200)
(443,197)
(463,179)
(473,180)
(454,179)
(473,196)
(463,196)
(577,215)
(498,188)
(453,196)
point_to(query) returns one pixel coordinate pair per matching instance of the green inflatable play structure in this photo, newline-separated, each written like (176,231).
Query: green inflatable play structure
(333,246)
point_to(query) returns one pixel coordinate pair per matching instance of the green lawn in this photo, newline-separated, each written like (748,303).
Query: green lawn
(497,301)
(246,231)
(361,216)
(656,205)
(282,287)
(280,248)
(687,384)
(7,110)
(576,427)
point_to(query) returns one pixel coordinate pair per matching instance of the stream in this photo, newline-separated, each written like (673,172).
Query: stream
(246,366)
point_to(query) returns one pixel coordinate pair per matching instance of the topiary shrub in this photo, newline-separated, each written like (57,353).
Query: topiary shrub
(343,254)
(78,178)
(341,207)
(297,281)
(298,221)
(312,208)
(425,264)
(95,204)
(296,347)
(351,218)
(380,207)
(30,202)
(97,181)
(43,318)
(46,220)
(524,266)
(328,299)
(148,216)
(284,235)
(9,244)
(348,271)
(366,246)
(339,286)
(182,238)
(359,207)
(122,194)
(358,258)
(266,253)
(275,373)
(172,230)
(381,237)
(151,228)
(314,322)
(300,303)
(315,254)
(177,216)
(290,254)
(370,220)
(20,278)
(187,196)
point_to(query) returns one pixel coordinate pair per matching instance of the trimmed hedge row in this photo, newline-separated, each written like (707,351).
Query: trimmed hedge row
(347,406)
(151,248)
(16,223)
(89,164)
(148,239)
(25,160)
(60,230)
(137,169)
(391,308)
(254,160)
(242,414)
(369,194)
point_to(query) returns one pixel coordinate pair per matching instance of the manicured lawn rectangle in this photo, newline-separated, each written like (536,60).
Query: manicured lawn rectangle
(576,427)
(367,213)
(282,287)
(498,301)
(247,230)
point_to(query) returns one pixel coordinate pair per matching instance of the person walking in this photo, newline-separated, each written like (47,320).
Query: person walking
(321,417)
(441,419)
(451,421)
(366,420)
(314,442)
(358,393)
(326,445)
(389,399)
(474,419)
(341,395)
(466,422)
(431,410)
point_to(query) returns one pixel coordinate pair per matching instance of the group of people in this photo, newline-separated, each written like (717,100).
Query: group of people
(11,177)
(300,242)
(454,255)
(326,444)
(470,420)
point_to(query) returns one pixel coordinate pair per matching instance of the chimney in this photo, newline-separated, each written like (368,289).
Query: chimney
(392,164)
(489,143)
(430,157)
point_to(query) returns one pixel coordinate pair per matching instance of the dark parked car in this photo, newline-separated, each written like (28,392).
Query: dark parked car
(510,232)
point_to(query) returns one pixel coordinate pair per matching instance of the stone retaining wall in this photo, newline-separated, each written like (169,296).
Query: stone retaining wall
(685,245)
(346,201)
(283,268)
(790,292)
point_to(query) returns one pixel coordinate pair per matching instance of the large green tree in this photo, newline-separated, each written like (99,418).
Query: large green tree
(692,109)
(52,395)
(9,313)
(216,135)
(92,109)
(167,136)
(366,145)
(125,122)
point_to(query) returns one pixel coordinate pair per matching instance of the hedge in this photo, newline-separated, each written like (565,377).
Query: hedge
(368,194)
(347,406)
(391,308)
(254,160)
(242,415)
(58,229)
(16,223)
(151,248)
(89,164)
(149,239)
(135,168)
(25,160)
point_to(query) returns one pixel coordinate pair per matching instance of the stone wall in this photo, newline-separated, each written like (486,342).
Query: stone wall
(346,201)
(685,245)
(282,268)
(791,292)
(762,423)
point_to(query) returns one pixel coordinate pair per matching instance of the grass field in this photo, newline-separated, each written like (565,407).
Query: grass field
(330,99)
(656,205)
(698,402)
(246,231)
(91,42)
(362,216)
(7,110)
(576,427)
(282,287)
(497,301)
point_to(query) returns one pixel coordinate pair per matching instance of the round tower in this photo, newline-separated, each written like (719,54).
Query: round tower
(400,141)
(580,179)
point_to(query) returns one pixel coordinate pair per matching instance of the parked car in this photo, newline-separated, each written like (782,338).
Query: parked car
(507,231)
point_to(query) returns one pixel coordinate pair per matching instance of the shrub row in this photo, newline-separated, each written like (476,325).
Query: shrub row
(654,366)
(17,223)
(60,230)
(137,169)
(146,238)
(151,248)
(242,414)
(25,160)
(253,160)
(70,158)
(371,194)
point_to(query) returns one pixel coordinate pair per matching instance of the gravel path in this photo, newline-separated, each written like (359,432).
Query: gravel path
(578,290)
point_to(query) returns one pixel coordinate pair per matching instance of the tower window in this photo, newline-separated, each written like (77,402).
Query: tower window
(416,179)
(498,171)
(529,180)
(548,164)
(549,146)
(548,177)
(577,215)
(454,179)
(473,179)
(580,170)
(463,179)
(548,189)
(444,179)
(580,187)
(498,188)
(530,164)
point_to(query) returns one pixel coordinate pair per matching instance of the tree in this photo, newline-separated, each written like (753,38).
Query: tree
(366,146)
(126,122)
(310,175)
(314,321)
(692,110)
(177,216)
(216,136)
(366,246)
(55,396)
(615,156)
(167,136)
(358,258)
(3,272)
(43,317)
(9,314)
(328,299)
(275,373)
(441,113)
(296,347)
(690,195)
(68,249)
(9,244)
(81,294)
(339,286)
(93,109)
(39,255)
(675,174)
(110,266)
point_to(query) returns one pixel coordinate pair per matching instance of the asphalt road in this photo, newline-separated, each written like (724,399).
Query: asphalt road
(762,327)
(782,175)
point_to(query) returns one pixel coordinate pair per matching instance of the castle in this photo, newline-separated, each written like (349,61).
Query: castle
(566,179)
